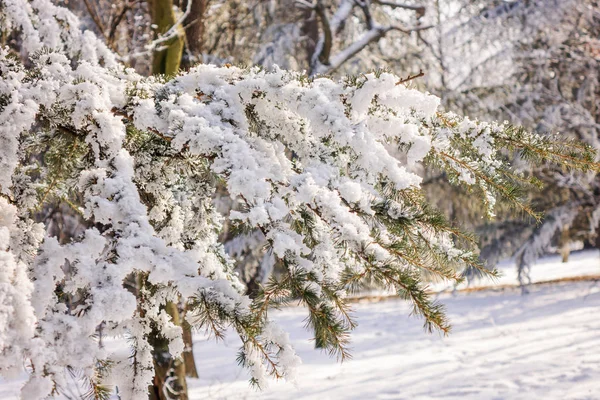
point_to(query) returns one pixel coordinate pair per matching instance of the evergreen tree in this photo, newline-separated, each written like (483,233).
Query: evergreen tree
(321,167)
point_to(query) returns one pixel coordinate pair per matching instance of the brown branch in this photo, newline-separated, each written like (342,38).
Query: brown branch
(327,38)
(95,17)
(365,6)
(267,357)
(273,293)
(417,28)
(7,198)
(411,77)
(115,23)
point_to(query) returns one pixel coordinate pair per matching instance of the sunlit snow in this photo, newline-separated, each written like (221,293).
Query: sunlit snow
(504,345)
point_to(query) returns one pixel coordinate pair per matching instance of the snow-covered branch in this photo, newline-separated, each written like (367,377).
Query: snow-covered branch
(418,9)
(322,61)
(322,168)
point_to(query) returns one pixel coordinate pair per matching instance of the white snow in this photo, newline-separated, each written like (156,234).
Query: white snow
(503,345)
(581,264)
(282,145)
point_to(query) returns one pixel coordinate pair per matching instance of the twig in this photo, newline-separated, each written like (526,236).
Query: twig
(115,23)
(365,7)
(95,18)
(7,198)
(411,77)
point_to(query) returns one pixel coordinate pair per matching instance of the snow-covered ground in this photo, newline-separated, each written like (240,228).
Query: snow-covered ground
(504,345)
(581,264)
(545,345)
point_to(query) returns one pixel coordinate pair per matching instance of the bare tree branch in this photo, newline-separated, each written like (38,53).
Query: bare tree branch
(420,10)
(305,4)
(323,50)
(369,37)
(322,61)
(342,14)
(160,43)
(365,6)
(95,17)
(115,23)
(329,27)
(402,29)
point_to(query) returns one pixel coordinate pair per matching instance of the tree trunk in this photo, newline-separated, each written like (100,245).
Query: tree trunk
(195,32)
(565,242)
(166,61)
(169,373)
(598,236)
(233,25)
(188,353)
(253,284)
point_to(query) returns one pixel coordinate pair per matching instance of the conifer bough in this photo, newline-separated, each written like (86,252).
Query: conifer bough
(323,167)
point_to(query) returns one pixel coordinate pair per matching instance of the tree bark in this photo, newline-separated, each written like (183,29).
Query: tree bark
(565,242)
(233,25)
(188,353)
(310,31)
(195,29)
(253,285)
(168,60)
(169,373)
